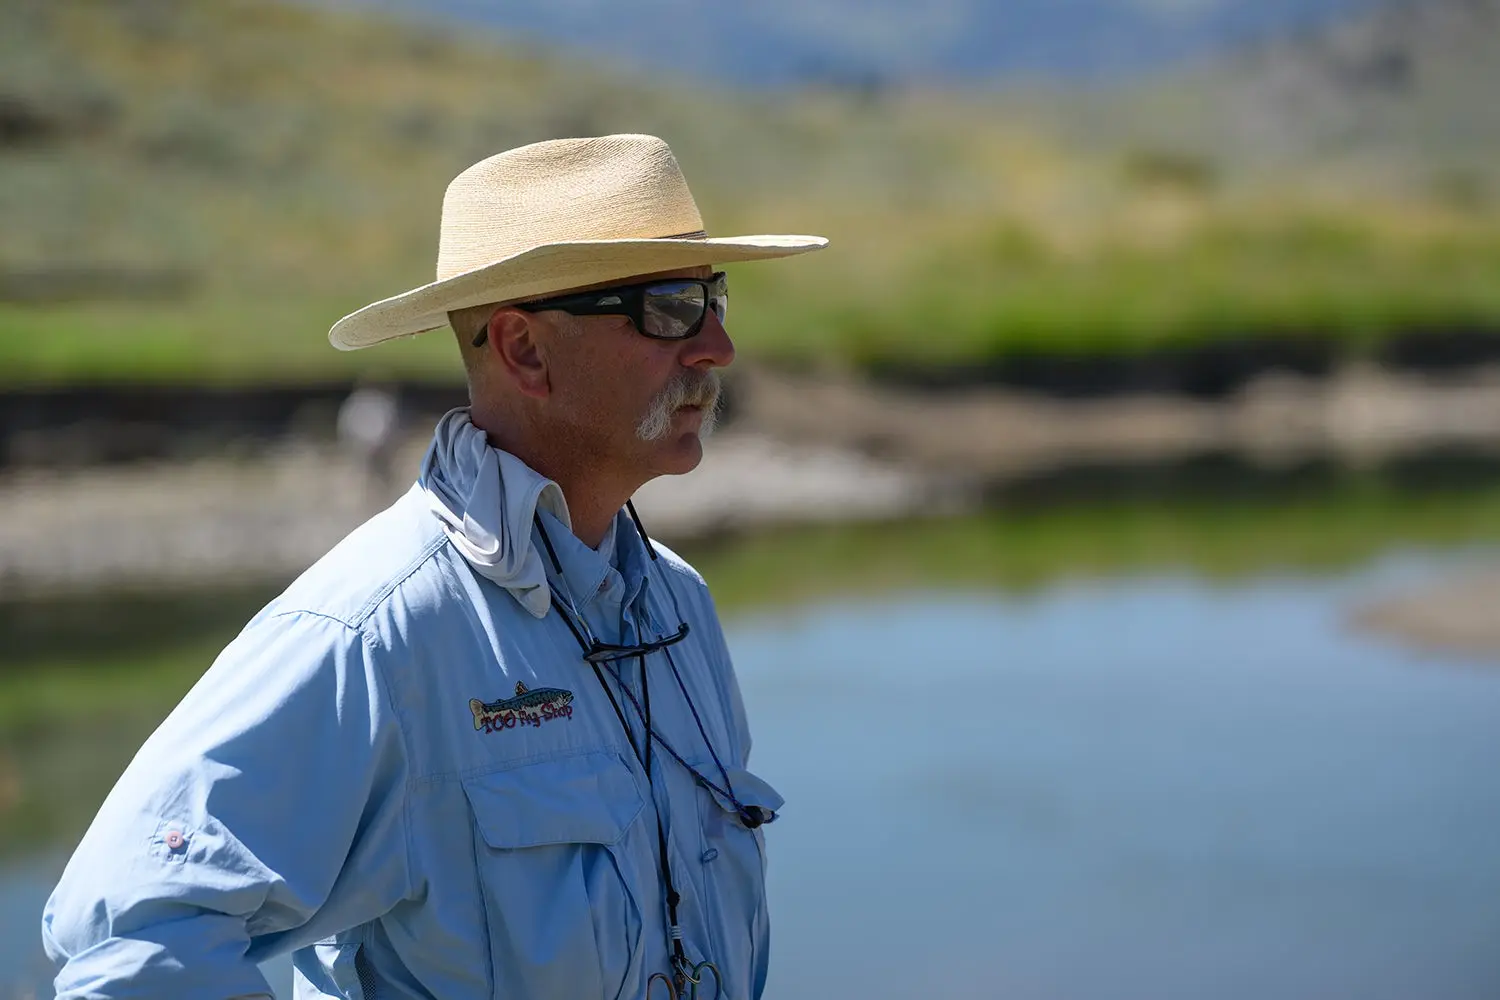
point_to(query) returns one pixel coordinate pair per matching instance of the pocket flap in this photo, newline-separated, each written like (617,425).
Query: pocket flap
(748,788)
(589,798)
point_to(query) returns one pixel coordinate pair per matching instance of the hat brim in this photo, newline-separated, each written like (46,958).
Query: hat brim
(554,267)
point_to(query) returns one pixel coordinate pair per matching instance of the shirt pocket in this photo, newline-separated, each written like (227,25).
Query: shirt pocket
(557,883)
(734,875)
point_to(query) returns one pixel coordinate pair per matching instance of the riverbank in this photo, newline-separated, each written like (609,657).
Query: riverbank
(267,515)
(1360,412)
(797,449)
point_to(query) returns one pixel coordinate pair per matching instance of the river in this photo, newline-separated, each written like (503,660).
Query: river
(1153,781)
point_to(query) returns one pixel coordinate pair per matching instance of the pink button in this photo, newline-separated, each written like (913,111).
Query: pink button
(175,840)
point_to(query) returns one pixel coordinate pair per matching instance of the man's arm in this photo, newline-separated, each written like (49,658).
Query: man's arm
(267,812)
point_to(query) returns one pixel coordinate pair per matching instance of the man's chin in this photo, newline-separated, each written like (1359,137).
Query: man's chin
(681,449)
(680,453)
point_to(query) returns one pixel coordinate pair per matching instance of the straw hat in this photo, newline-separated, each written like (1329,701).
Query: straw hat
(553,216)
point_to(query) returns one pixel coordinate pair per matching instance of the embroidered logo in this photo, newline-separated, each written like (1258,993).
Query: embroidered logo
(527,708)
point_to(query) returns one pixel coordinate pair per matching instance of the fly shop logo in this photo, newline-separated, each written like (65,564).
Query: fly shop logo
(527,708)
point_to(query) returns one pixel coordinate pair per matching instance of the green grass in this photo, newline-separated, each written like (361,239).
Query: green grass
(958,308)
(224,342)
(1338,283)
(291,161)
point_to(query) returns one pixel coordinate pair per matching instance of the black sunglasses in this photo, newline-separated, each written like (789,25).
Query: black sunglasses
(666,309)
(607,652)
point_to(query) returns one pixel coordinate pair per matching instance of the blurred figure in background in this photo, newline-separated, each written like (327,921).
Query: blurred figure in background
(492,744)
(369,425)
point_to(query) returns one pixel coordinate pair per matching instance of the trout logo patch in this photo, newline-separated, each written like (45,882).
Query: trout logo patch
(527,708)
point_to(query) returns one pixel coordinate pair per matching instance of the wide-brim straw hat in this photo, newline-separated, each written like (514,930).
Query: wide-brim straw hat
(554,216)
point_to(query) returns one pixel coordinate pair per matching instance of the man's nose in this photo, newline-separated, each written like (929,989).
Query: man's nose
(710,347)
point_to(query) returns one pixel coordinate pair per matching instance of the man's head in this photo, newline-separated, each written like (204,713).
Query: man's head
(556,215)
(591,385)
(584,377)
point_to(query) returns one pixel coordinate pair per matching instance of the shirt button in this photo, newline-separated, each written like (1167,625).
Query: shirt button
(175,840)
(709,855)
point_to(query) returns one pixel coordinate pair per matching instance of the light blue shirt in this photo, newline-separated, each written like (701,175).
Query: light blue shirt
(360,779)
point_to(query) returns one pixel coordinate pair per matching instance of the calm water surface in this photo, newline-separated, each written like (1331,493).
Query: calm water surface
(1152,787)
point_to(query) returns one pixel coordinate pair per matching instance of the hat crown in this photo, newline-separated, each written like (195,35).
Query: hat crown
(616,187)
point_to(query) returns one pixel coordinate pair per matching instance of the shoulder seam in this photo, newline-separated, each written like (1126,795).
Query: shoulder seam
(357,620)
(310,613)
(377,598)
(670,560)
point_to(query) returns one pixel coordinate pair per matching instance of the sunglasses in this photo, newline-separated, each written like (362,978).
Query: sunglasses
(667,309)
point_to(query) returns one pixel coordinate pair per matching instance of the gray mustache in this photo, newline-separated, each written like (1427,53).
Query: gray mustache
(692,389)
(686,388)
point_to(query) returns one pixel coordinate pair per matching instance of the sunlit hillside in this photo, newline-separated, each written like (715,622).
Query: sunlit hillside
(1403,92)
(198,189)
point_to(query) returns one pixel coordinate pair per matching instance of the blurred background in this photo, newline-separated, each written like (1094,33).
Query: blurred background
(1107,527)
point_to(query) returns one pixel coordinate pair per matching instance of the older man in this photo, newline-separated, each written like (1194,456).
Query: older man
(491,745)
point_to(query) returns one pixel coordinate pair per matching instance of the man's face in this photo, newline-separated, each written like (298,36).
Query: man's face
(637,403)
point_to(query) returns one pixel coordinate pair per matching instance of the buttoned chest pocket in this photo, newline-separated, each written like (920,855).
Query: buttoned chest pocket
(560,890)
(734,871)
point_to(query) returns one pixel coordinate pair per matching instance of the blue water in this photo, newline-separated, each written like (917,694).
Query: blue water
(1142,788)
(1149,788)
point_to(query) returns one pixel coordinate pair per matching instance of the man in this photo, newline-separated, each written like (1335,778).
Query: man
(425,768)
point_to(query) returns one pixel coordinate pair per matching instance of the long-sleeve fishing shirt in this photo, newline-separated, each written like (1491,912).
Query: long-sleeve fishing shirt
(406,776)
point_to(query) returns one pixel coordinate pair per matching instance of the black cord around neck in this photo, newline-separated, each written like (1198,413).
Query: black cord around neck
(642,752)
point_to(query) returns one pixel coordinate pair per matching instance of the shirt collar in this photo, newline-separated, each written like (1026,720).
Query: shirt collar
(587,574)
(486,499)
(633,560)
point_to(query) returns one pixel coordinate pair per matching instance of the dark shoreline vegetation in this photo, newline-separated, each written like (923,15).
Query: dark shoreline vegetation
(82,677)
(196,190)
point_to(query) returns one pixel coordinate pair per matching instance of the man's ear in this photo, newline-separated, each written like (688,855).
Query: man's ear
(514,343)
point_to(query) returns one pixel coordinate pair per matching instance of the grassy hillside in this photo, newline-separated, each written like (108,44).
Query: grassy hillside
(197,189)
(1405,90)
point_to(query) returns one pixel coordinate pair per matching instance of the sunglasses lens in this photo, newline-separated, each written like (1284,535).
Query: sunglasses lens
(718,296)
(673,309)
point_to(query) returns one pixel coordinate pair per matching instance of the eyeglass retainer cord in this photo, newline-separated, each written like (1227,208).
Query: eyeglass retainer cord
(595,653)
(751,816)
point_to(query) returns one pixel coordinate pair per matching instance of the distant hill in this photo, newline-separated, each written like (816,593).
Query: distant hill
(1408,87)
(197,189)
(875,43)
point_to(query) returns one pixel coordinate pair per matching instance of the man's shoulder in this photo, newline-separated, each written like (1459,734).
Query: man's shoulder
(680,569)
(394,550)
(685,582)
